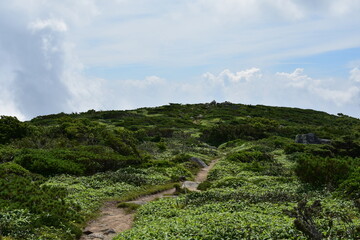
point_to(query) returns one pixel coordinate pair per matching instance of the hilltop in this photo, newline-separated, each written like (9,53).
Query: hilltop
(57,170)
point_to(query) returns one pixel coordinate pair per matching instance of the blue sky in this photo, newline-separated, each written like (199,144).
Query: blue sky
(71,56)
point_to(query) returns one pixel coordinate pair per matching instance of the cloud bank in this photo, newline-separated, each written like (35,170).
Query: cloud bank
(48,48)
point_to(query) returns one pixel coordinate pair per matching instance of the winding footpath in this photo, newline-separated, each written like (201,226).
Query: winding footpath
(114,220)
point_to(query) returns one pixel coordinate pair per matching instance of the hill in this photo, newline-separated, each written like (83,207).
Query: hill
(57,170)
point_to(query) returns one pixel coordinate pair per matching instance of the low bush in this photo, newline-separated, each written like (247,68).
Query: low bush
(231,182)
(351,186)
(181,158)
(39,205)
(320,171)
(249,156)
(86,160)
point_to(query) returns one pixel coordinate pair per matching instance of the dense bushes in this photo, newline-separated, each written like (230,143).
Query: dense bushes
(351,186)
(23,195)
(320,171)
(11,128)
(84,160)
(226,132)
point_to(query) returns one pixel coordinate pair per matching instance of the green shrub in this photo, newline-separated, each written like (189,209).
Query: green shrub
(249,156)
(46,205)
(13,168)
(351,186)
(46,164)
(230,182)
(181,158)
(204,185)
(11,128)
(17,223)
(322,171)
(7,153)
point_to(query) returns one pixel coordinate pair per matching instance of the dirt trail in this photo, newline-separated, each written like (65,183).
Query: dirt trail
(114,220)
(201,176)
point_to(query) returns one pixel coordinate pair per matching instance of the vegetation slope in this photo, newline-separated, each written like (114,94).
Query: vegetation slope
(56,171)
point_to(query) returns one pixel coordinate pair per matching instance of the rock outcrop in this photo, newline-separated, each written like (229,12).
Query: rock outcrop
(310,138)
(198,161)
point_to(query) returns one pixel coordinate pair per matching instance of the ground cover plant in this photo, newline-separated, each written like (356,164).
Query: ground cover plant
(57,170)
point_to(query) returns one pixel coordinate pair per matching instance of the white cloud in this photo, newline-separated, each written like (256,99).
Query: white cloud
(339,97)
(319,87)
(53,24)
(46,45)
(296,78)
(42,74)
(207,31)
(241,76)
(355,74)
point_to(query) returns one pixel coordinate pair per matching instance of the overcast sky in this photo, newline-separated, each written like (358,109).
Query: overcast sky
(71,56)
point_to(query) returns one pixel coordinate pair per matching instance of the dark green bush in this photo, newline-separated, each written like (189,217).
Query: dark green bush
(181,158)
(322,150)
(11,128)
(351,186)
(46,164)
(7,153)
(227,132)
(85,160)
(323,171)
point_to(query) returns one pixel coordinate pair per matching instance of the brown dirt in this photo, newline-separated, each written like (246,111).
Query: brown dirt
(202,175)
(114,220)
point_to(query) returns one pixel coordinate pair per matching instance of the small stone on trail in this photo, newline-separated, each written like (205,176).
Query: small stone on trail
(96,236)
(108,231)
(87,232)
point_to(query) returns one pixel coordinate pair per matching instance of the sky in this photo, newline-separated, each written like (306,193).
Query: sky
(72,56)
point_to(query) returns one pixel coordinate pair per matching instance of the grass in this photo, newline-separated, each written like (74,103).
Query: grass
(129,207)
(146,190)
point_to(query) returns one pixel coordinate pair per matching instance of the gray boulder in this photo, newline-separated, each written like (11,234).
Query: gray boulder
(198,161)
(310,138)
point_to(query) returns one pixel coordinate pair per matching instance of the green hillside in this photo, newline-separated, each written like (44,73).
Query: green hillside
(57,170)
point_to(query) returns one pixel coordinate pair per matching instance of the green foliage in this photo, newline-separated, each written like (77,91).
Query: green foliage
(11,128)
(181,158)
(45,163)
(42,206)
(130,207)
(351,186)
(321,150)
(323,171)
(249,156)
(17,223)
(226,132)
(8,153)
(84,160)
(125,154)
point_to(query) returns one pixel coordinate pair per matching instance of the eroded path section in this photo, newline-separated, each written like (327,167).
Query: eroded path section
(114,220)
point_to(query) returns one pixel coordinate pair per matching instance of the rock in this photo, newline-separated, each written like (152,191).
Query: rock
(108,231)
(190,185)
(87,232)
(96,236)
(310,138)
(198,161)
